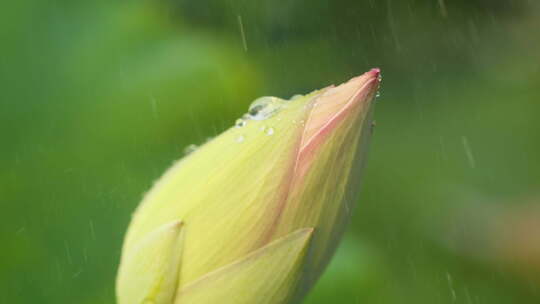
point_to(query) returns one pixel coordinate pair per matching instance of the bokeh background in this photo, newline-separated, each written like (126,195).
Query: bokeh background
(99,97)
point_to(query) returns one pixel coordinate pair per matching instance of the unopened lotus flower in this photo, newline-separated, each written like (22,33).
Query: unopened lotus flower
(254,215)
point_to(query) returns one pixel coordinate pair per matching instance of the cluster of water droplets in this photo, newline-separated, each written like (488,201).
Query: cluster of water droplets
(378,94)
(267,130)
(261,109)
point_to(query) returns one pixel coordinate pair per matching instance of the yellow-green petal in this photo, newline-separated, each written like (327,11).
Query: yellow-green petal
(228,193)
(149,274)
(268,275)
(285,166)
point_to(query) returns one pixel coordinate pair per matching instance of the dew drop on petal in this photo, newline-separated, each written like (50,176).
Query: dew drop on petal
(190,149)
(240,122)
(265,107)
(240,138)
(296,97)
(269,131)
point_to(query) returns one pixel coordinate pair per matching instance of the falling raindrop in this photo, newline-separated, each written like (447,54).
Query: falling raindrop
(451,286)
(468,152)
(190,149)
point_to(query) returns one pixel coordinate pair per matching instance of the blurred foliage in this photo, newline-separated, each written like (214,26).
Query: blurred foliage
(99,97)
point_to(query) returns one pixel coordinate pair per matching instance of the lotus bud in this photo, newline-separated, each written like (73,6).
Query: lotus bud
(255,214)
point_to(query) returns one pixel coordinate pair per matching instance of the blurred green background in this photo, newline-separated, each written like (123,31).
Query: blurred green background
(99,97)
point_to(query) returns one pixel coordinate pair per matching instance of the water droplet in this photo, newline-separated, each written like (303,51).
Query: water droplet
(269,131)
(372,127)
(190,149)
(265,107)
(296,97)
(240,138)
(378,94)
(240,122)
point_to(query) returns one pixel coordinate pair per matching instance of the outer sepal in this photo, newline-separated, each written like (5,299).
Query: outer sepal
(149,273)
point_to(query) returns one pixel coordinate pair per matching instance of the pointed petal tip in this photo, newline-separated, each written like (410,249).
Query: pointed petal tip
(336,104)
(366,85)
(375,72)
(374,79)
(367,80)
